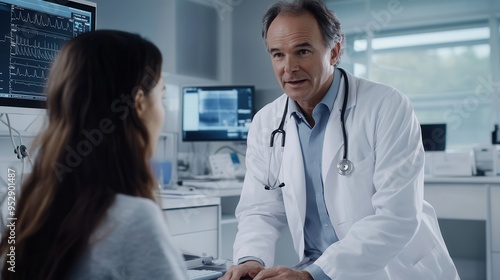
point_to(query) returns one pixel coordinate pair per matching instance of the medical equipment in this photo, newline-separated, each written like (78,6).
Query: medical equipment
(345,166)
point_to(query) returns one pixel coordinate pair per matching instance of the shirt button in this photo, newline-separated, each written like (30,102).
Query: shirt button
(325,225)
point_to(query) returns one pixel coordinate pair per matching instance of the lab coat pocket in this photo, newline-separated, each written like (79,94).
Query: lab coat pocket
(362,173)
(365,166)
(350,195)
(428,267)
(424,258)
(419,248)
(358,187)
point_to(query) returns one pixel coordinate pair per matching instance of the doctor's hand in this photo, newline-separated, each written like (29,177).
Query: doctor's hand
(246,270)
(283,273)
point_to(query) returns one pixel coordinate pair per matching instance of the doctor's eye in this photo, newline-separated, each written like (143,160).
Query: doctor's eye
(276,55)
(304,52)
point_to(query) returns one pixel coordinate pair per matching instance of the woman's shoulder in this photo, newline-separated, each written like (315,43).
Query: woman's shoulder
(131,209)
(128,215)
(133,203)
(133,235)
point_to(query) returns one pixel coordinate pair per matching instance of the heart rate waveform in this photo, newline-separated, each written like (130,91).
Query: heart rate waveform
(31,59)
(21,87)
(31,36)
(4,50)
(32,65)
(45,22)
(35,43)
(28,78)
(37,75)
(5,39)
(33,48)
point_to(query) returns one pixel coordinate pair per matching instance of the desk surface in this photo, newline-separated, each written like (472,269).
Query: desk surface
(463,180)
(187,202)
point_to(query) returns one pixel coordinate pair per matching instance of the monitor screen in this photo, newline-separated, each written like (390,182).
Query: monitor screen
(31,34)
(434,136)
(217,113)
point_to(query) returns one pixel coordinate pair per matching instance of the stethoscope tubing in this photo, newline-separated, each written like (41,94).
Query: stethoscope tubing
(345,166)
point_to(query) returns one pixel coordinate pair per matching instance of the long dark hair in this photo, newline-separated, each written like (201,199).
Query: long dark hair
(93,147)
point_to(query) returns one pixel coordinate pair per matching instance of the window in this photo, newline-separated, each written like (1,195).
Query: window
(446,74)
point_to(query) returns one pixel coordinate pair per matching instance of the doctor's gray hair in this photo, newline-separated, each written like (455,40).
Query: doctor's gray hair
(328,22)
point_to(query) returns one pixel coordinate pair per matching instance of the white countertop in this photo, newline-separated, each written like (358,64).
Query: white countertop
(463,180)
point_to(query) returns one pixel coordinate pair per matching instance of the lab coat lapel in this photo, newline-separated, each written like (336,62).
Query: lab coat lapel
(294,191)
(333,143)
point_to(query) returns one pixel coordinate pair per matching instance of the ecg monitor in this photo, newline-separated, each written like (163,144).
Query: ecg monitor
(217,113)
(31,34)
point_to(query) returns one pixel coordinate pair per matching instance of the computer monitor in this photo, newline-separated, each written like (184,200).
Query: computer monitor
(434,136)
(31,34)
(217,113)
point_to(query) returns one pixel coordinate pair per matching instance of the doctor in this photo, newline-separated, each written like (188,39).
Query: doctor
(340,160)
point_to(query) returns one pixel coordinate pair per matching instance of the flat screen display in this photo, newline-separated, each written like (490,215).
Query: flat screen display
(217,113)
(31,34)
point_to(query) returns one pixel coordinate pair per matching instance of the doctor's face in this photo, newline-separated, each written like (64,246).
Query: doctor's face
(302,63)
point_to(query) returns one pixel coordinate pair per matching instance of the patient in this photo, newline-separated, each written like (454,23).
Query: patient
(88,210)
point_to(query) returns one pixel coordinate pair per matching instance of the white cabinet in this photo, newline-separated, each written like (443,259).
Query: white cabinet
(495,232)
(495,221)
(458,201)
(285,253)
(194,224)
(230,196)
(495,260)
(470,199)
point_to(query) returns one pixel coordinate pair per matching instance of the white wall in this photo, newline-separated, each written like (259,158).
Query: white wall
(251,63)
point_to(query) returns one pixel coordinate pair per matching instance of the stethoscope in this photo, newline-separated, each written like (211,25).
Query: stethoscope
(344,166)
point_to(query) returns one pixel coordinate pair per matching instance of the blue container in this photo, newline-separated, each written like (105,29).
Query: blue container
(162,171)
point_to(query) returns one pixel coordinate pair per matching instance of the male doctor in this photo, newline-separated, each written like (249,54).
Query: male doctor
(353,199)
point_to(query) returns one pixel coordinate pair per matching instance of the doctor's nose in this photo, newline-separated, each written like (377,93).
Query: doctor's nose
(291,65)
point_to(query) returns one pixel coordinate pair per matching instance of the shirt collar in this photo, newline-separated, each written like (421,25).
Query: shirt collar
(327,100)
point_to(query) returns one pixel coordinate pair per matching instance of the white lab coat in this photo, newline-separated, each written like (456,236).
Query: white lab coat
(385,228)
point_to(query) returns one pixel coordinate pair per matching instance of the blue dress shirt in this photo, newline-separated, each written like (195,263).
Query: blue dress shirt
(319,233)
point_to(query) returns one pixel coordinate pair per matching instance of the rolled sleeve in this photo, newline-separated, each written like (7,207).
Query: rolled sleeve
(316,272)
(246,259)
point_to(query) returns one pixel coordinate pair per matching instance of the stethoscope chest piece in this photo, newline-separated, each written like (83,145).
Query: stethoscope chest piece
(345,167)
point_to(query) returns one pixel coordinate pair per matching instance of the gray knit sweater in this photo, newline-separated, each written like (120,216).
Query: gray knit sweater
(131,243)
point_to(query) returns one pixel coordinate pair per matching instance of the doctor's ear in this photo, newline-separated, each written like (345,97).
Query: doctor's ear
(335,53)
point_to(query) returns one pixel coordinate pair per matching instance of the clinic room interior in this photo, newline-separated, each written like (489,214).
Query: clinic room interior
(443,55)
